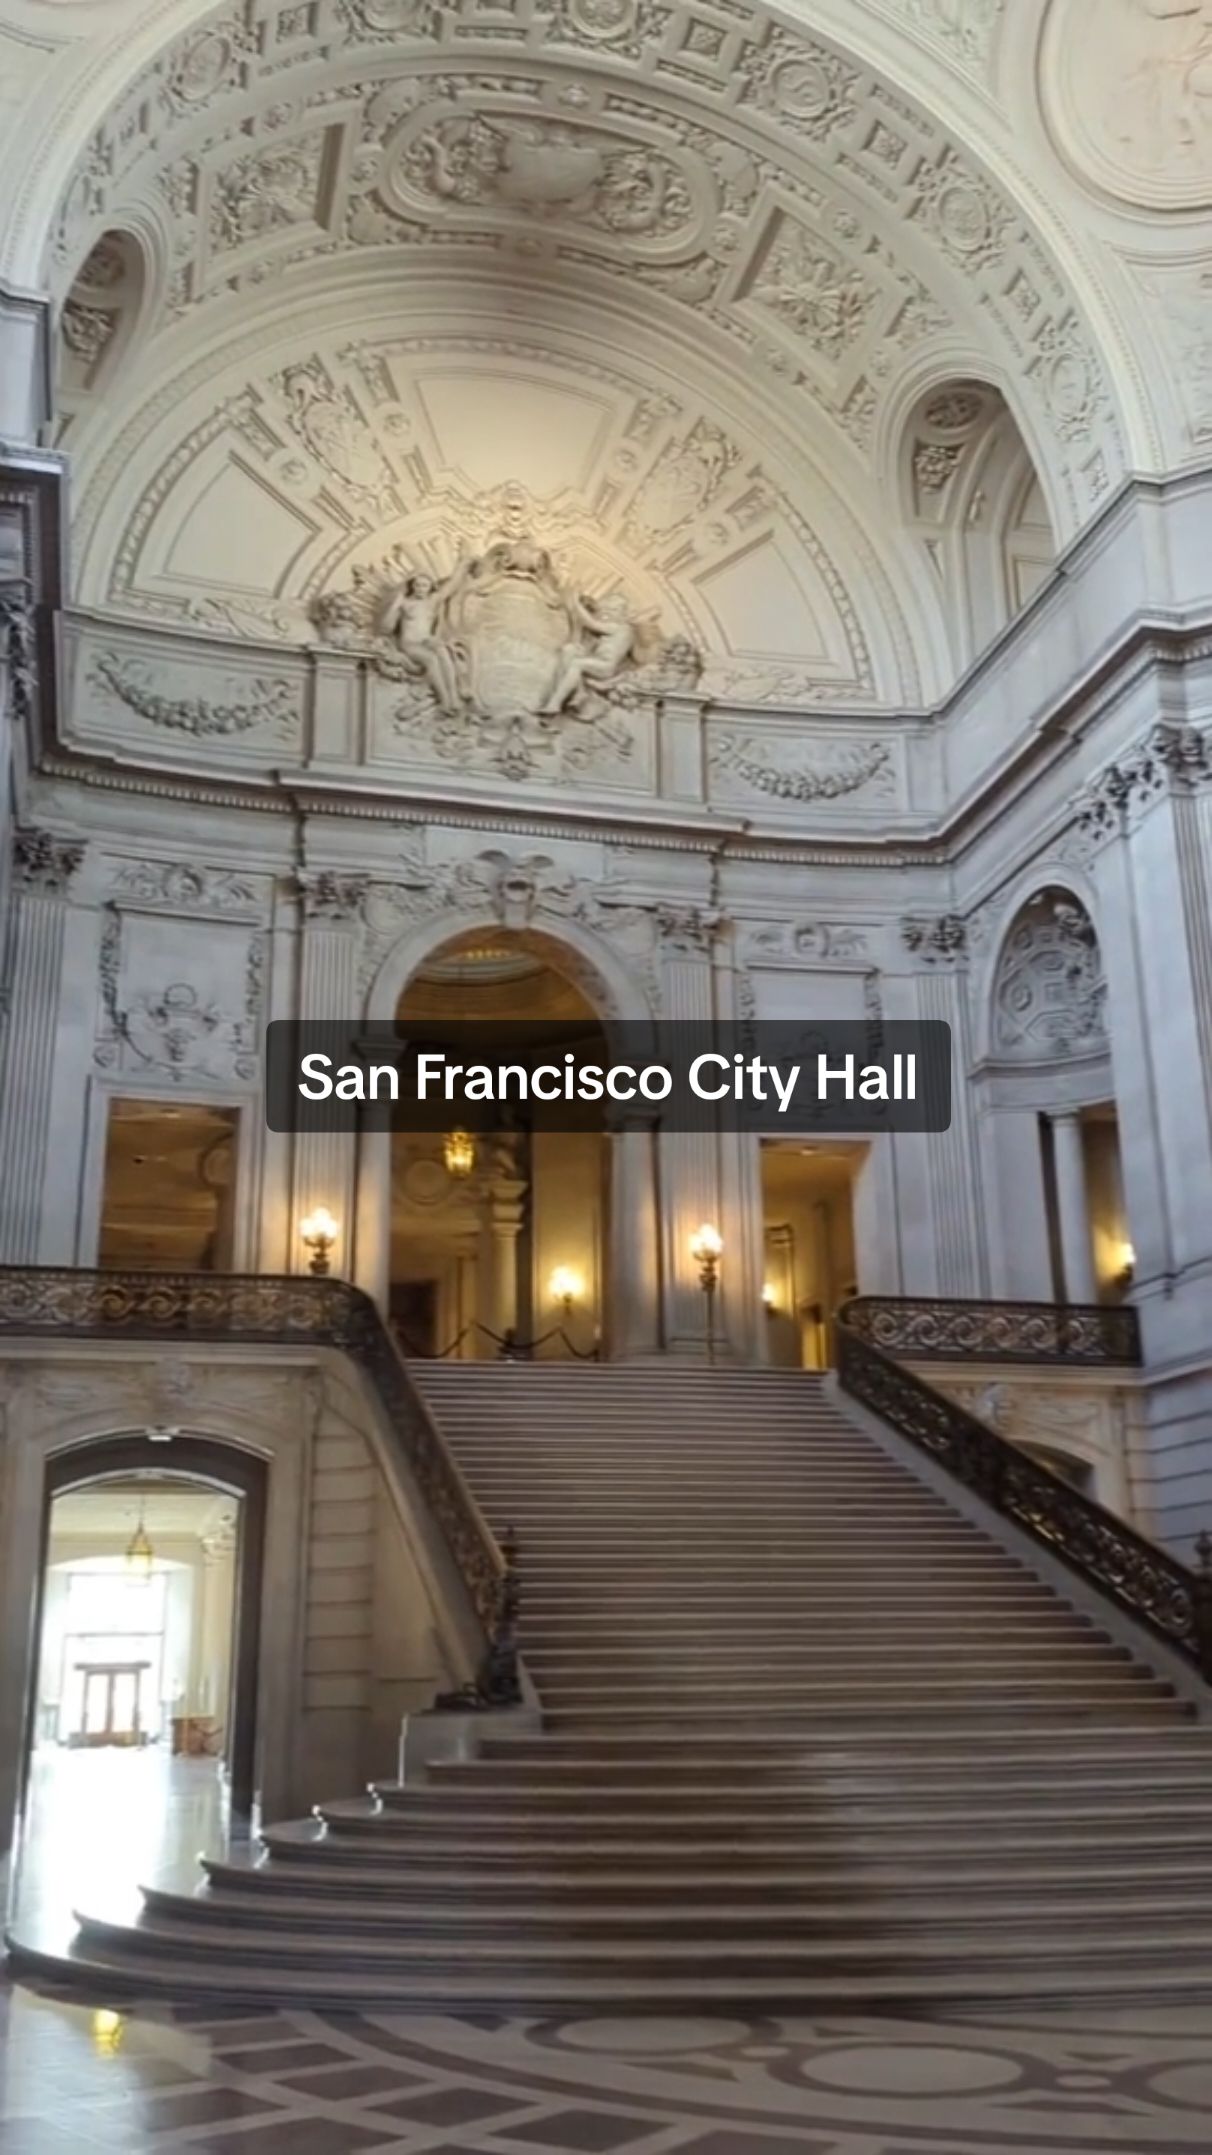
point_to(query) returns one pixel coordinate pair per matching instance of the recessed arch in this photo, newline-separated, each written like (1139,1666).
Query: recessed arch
(973,501)
(85,1461)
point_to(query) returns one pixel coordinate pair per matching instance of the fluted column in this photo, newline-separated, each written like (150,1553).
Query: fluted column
(634,1315)
(324,1160)
(690,1191)
(1077,1253)
(503,1226)
(43,869)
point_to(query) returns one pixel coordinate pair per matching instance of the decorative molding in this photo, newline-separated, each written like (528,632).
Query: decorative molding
(331,897)
(44,863)
(257,702)
(1049,994)
(689,931)
(180,887)
(179,1029)
(19,634)
(838,769)
(943,940)
(1170,760)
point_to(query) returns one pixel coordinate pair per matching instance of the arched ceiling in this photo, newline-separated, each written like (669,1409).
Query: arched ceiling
(672,271)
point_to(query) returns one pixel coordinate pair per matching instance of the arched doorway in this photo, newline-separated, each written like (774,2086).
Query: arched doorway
(500,1237)
(147,1621)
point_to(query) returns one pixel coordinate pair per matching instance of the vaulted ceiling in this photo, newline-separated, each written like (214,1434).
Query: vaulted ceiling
(680,284)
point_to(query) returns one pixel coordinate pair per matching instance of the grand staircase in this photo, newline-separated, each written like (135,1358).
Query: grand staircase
(810,1739)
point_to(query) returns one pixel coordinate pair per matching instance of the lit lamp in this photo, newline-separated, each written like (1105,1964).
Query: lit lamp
(319,1232)
(140,1556)
(1127,1263)
(770,1300)
(565,1287)
(459,1154)
(706,1248)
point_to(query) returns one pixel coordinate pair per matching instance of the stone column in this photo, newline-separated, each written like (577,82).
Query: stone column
(1146,825)
(939,953)
(633,1319)
(1077,1253)
(505,1209)
(43,871)
(690,1191)
(325,1161)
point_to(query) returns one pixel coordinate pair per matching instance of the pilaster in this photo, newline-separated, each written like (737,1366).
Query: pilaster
(326,1162)
(43,869)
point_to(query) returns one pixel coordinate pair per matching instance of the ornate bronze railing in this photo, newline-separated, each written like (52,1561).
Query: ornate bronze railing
(1139,1577)
(50,1302)
(922,1330)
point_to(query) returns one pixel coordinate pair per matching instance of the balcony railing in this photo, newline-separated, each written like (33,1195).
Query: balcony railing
(1124,1567)
(1095,1336)
(48,1302)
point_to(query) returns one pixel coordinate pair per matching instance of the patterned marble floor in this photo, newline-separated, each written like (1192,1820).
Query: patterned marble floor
(77,2077)
(297,2083)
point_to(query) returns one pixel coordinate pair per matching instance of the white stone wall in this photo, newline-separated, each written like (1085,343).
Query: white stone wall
(341,1658)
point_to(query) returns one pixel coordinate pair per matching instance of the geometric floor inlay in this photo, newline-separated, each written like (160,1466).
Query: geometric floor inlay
(300,2083)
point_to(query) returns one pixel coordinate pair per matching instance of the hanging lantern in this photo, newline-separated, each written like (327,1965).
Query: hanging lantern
(140,1556)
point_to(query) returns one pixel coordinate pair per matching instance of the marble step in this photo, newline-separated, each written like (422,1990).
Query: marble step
(721,1916)
(607,1821)
(379,1841)
(941,1741)
(110,1967)
(770,1957)
(815,1781)
(1070,1875)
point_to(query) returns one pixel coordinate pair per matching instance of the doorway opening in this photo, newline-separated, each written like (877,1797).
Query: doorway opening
(499,1238)
(810,1265)
(1089,1245)
(168,1196)
(142,1709)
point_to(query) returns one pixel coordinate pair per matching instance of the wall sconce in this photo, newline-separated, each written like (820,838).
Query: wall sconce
(565,1287)
(706,1248)
(770,1300)
(1127,1263)
(319,1231)
(459,1154)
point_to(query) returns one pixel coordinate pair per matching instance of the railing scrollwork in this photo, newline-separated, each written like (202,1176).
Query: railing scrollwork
(61,1303)
(1139,1577)
(920,1329)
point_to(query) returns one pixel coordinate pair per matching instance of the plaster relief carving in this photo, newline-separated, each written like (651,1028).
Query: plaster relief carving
(505,665)
(1049,995)
(180,888)
(807,286)
(802,82)
(255,703)
(966,27)
(327,421)
(840,768)
(44,863)
(943,940)
(507,163)
(265,190)
(186,1028)
(835,944)
(1134,110)
(18,649)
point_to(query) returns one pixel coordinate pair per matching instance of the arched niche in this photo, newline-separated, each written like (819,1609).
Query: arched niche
(1049,992)
(973,500)
(97,321)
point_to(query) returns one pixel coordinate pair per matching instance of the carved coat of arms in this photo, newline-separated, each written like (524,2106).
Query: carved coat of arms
(503,663)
